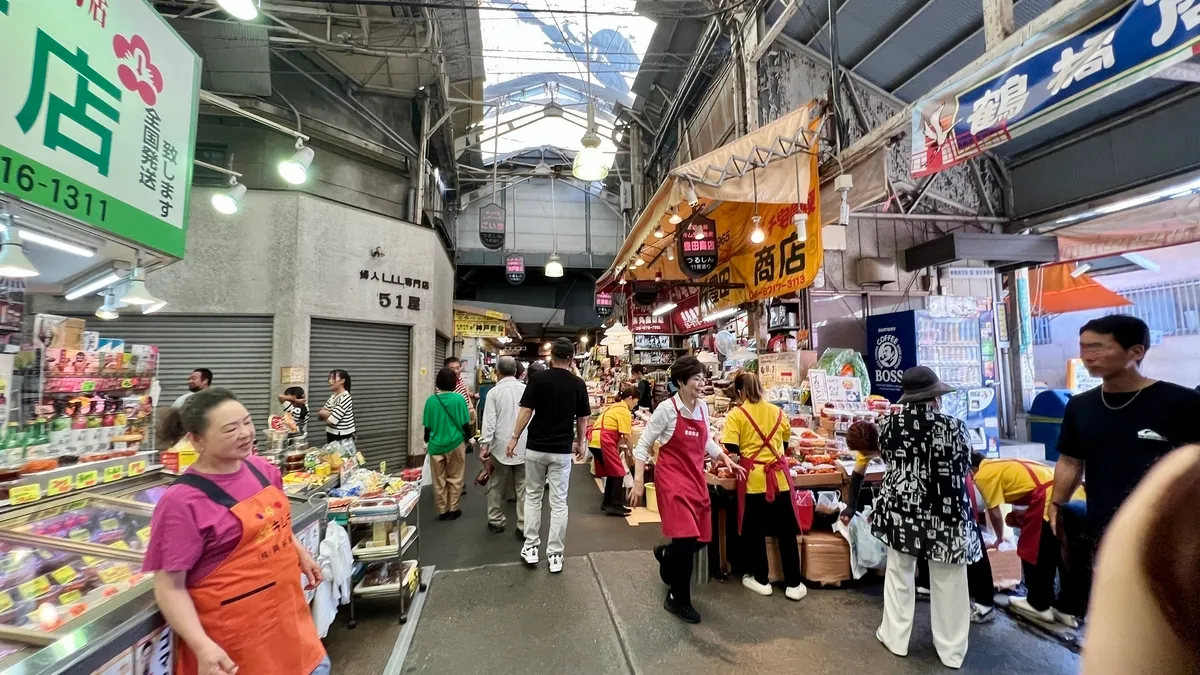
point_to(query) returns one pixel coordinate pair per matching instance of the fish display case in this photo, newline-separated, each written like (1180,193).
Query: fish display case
(73,599)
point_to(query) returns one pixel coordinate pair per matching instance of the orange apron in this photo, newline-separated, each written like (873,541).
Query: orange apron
(770,468)
(252,604)
(609,463)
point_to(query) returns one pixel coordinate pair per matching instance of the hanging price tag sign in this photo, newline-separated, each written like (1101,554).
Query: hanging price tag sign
(59,485)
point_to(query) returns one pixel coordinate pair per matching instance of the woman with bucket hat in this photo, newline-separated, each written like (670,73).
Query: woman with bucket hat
(923,510)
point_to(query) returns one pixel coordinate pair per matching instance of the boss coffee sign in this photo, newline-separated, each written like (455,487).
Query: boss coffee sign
(604,304)
(491,226)
(891,349)
(698,248)
(514,269)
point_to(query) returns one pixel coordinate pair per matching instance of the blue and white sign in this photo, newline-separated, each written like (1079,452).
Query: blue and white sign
(891,349)
(1038,83)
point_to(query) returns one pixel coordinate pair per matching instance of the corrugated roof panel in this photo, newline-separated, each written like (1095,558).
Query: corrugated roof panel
(806,22)
(938,27)
(864,24)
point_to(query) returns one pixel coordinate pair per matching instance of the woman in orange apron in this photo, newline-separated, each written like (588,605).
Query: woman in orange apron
(757,431)
(604,440)
(680,426)
(226,564)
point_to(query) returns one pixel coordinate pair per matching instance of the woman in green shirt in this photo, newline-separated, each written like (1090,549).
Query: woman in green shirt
(446,420)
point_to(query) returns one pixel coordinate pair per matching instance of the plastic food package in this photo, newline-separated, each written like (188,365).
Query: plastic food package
(845,363)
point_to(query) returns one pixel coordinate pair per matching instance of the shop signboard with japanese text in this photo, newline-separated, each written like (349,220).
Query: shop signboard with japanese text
(98,116)
(1069,66)
(686,317)
(491,226)
(514,269)
(642,320)
(698,247)
(891,350)
(604,304)
(477,326)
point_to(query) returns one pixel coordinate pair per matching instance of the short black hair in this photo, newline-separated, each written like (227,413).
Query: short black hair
(562,349)
(446,380)
(638,368)
(345,377)
(205,374)
(1128,331)
(628,393)
(450,359)
(298,392)
(685,368)
(977,459)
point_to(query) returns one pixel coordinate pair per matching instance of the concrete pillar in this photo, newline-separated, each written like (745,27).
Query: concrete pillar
(997,21)
(750,38)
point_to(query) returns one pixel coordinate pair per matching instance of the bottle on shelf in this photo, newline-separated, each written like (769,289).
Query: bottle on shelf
(60,429)
(12,446)
(37,444)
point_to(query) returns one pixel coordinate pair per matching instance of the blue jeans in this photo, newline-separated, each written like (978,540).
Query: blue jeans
(324,667)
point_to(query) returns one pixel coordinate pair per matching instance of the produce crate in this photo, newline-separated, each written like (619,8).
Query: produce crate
(825,558)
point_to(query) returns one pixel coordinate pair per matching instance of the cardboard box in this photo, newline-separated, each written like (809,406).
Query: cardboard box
(1006,568)
(825,558)
(774,564)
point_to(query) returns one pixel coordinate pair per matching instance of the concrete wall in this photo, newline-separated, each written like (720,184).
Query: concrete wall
(296,257)
(533,220)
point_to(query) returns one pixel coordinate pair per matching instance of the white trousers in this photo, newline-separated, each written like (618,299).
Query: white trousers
(949,607)
(542,468)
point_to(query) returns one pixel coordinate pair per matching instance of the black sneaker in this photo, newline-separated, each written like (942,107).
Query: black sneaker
(443,516)
(617,511)
(498,529)
(660,554)
(454,515)
(686,613)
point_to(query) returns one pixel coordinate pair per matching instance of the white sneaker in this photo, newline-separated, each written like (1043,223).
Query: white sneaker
(1022,606)
(1068,620)
(923,593)
(796,592)
(529,554)
(556,562)
(762,589)
(981,614)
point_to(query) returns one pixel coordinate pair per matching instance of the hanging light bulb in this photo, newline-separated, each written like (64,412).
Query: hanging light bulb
(697,232)
(295,170)
(621,281)
(757,236)
(554,266)
(108,310)
(246,10)
(658,232)
(675,218)
(640,260)
(136,292)
(671,253)
(800,221)
(589,164)
(229,201)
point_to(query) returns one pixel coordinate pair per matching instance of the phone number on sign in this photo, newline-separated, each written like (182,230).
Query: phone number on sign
(68,195)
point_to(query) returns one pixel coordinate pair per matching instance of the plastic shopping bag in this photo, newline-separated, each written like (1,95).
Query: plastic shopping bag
(866,551)
(829,502)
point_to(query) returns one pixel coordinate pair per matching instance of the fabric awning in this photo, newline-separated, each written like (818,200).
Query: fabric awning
(1052,290)
(1165,223)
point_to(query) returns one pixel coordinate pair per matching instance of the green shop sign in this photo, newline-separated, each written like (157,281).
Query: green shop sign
(98,115)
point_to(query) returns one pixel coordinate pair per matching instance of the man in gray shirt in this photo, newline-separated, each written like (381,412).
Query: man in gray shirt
(499,419)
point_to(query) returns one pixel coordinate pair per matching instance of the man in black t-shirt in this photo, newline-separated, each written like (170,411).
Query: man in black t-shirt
(1118,430)
(557,401)
(643,385)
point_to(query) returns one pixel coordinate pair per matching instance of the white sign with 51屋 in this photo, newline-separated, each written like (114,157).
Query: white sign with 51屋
(98,116)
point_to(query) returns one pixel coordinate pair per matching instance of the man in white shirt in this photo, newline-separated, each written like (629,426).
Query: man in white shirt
(499,419)
(199,380)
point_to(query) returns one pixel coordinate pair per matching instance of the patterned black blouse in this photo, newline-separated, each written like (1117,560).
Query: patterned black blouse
(923,508)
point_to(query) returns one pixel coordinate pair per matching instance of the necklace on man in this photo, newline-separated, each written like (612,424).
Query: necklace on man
(1123,405)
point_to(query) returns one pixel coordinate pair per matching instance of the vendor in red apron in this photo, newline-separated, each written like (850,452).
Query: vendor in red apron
(227,567)
(1029,484)
(680,427)
(612,429)
(757,432)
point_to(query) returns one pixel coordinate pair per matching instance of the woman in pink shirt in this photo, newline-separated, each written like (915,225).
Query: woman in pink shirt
(223,554)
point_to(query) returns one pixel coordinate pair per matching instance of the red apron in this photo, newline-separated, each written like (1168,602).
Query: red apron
(609,462)
(679,484)
(252,604)
(770,468)
(1031,525)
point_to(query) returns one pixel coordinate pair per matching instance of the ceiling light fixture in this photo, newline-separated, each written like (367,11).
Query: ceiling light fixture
(246,10)
(721,314)
(150,309)
(229,201)
(675,218)
(671,253)
(757,236)
(589,164)
(105,279)
(554,266)
(295,170)
(108,310)
(1080,270)
(13,262)
(800,222)
(51,242)
(1170,192)
(659,233)
(136,292)
(689,193)
(621,281)
(697,232)
(663,309)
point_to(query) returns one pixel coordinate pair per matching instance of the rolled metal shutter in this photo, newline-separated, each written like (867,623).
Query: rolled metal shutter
(378,358)
(441,346)
(236,347)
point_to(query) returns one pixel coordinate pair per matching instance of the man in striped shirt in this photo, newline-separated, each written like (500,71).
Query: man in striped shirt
(453,363)
(338,412)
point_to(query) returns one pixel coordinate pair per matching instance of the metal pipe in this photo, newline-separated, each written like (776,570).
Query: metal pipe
(921,192)
(904,185)
(419,175)
(835,67)
(711,33)
(929,217)
(213,99)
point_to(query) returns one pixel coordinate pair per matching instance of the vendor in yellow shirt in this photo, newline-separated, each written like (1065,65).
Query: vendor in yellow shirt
(613,429)
(1030,484)
(756,433)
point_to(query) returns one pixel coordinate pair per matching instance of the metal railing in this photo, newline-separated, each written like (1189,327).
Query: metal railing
(1171,308)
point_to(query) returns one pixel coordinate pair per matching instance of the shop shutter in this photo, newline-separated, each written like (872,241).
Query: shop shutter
(236,347)
(441,346)
(377,356)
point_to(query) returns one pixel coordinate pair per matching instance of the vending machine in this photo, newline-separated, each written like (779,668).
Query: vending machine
(955,338)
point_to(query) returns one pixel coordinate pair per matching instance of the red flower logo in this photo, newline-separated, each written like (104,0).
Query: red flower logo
(138,73)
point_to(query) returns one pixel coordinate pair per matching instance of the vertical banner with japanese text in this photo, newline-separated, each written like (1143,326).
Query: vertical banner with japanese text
(514,269)
(604,304)
(1074,63)
(98,118)
(492,226)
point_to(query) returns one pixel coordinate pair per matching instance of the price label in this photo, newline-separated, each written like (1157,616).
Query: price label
(6,601)
(64,575)
(112,473)
(137,468)
(85,479)
(90,561)
(144,534)
(34,588)
(69,597)
(79,534)
(114,573)
(23,494)
(119,545)
(109,524)
(87,386)
(59,485)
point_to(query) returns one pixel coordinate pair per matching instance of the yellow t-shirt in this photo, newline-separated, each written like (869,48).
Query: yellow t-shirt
(1005,481)
(860,462)
(739,432)
(616,418)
